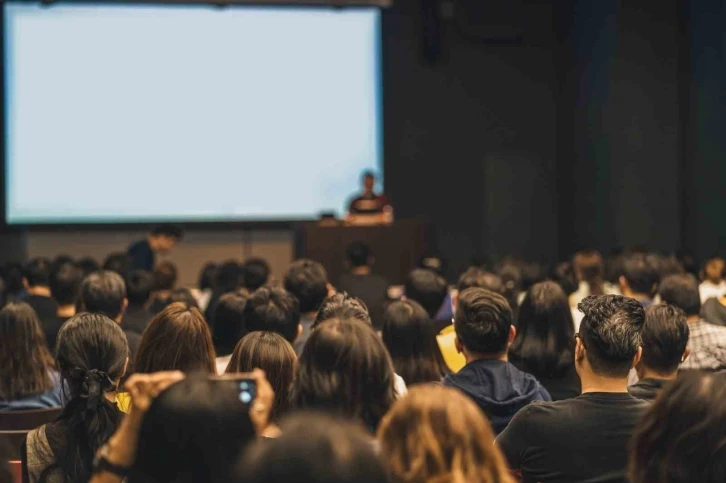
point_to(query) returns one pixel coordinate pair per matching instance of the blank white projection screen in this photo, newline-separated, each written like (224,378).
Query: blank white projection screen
(132,113)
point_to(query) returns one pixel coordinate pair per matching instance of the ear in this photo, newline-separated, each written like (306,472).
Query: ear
(623,283)
(454,300)
(459,346)
(580,350)
(331,289)
(124,306)
(26,285)
(685,355)
(512,334)
(638,356)
(299,331)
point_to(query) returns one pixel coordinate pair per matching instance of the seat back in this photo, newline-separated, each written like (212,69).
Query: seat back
(27,420)
(16,470)
(12,441)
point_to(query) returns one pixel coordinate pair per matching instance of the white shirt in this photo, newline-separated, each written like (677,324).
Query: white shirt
(709,290)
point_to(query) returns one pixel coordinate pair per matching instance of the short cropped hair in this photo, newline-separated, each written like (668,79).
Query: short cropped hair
(169,230)
(358,254)
(65,283)
(255,273)
(611,332)
(104,293)
(139,284)
(681,291)
(343,306)
(37,272)
(482,321)
(273,309)
(308,282)
(428,288)
(642,271)
(165,276)
(665,337)
(478,277)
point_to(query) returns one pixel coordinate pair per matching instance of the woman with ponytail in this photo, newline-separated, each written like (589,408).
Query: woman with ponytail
(92,354)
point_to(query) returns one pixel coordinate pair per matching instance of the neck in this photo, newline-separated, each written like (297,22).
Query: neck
(636,295)
(693,318)
(39,290)
(110,396)
(364,270)
(646,373)
(472,356)
(66,311)
(596,383)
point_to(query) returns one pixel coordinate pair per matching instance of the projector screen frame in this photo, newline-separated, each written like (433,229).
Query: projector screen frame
(212,223)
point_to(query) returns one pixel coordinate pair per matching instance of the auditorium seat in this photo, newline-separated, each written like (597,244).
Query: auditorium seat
(27,420)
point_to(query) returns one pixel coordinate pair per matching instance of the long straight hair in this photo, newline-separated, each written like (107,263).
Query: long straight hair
(25,361)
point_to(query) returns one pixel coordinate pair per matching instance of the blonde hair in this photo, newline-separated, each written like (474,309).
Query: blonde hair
(437,435)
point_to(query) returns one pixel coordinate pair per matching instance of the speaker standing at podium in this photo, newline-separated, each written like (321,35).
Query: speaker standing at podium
(369,208)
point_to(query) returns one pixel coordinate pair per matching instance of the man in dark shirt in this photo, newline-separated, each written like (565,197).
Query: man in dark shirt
(484,332)
(362,283)
(307,281)
(585,439)
(162,239)
(139,285)
(664,341)
(429,289)
(640,277)
(65,285)
(36,279)
(273,309)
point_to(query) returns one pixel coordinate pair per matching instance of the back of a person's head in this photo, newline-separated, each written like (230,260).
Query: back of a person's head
(274,355)
(255,273)
(483,321)
(308,282)
(670,265)
(427,288)
(168,230)
(436,434)
(682,437)
(343,306)
(273,309)
(641,271)
(65,283)
(610,333)
(345,369)
(590,267)
(664,338)
(681,291)
(104,293)
(359,254)
(564,275)
(88,265)
(25,361)
(165,276)
(511,275)
(183,295)
(207,276)
(177,338)
(37,272)
(228,322)
(92,354)
(316,448)
(12,275)
(713,269)
(228,277)
(545,331)
(479,277)
(193,432)
(117,262)
(532,273)
(409,337)
(139,285)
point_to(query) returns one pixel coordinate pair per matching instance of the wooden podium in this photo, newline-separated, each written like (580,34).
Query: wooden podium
(397,247)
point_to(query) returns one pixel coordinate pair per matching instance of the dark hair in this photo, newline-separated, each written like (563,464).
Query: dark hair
(88,265)
(345,369)
(12,274)
(228,322)
(478,277)
(409,337)
(681,438)
(482,321)
(37,272)
(92,352)
(25,362)
(664,338)
(313,448)
(228,278)
(207,276)
(255,273)
(274,355)
(65,283)
(427,288)
(610,332)
(104,293)
(168,230)
(358,254)
(368,174)
(139,284)
(177,338)
(545,344)
(183,295)
(564,276)
(590,268)
(275,310)
(532,272)
(511,276)
(642,272)
(681,291)
(193,432)
(165,276)
(117,262)
(340,305)
(308,282)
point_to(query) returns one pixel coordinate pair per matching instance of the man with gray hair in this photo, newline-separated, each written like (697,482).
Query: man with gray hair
(585,438)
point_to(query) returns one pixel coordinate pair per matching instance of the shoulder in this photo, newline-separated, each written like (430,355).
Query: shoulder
(39,454)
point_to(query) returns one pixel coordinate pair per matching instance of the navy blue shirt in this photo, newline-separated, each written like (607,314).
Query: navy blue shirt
(141,256)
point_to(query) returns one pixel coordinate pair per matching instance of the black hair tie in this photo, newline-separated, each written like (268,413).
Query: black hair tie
(93,387)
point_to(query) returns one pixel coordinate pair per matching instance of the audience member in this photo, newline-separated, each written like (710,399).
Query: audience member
(713,285)
(544,345)
(161,240)
(165,276)
(28,378)
(313,448)
(484,332)
(205,287)
(664,340)
(479,277)
(308,282)
(707,342)
(183,295)
(88,265)
(36,278)
(139,285)
(640,275)
(408,335)
(274,355)
(228,327)
(228,279)
(92,355)
(342,306)
(511,276)
(682,437)
(590,275)
(12,275)
(585,438)
(713,311)
(255,273)
(117,262)
(345,369)
(104,293)
(429,289)
(361,282)
(177,339)
(273,309)
(65,288)
(436,434)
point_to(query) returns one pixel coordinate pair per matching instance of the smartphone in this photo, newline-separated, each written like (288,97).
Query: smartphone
(245,386)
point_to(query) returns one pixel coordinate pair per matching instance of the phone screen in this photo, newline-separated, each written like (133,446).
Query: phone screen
(247,390)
